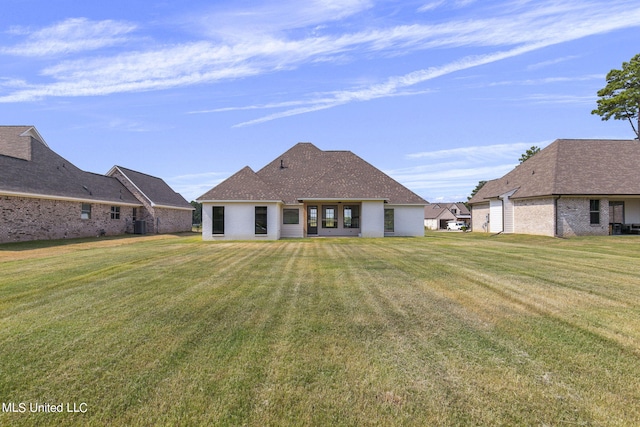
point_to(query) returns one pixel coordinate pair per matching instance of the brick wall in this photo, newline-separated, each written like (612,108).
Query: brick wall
(479,214)
(23,219)
(535,216)
(172,220)
(574,217)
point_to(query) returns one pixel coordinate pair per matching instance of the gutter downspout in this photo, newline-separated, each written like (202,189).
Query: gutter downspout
(555,215)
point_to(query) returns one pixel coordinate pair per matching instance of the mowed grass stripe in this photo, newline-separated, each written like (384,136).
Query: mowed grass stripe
(433,331)
(501,300)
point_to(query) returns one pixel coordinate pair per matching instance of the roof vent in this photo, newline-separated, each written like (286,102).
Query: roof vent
(282,166)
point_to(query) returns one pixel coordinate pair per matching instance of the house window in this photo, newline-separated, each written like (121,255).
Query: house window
(134,215)
(261,220)
(291,216)
(115,212)
(85,212)
(388,220)
(218,220)
(594,211)
(351,217)
(329,217)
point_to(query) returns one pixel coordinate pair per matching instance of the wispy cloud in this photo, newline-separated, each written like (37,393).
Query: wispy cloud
(392,86)
(431,6)
(297,39)
(556,98)
(455,172)
(547,80)
(273,18)
(474,153)
(555,61)
(70,36)
(192,186)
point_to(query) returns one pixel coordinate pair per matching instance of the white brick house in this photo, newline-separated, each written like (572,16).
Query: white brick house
(309,192)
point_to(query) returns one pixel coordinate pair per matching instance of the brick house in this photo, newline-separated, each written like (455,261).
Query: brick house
(43,196)
(571,188)
(310,192)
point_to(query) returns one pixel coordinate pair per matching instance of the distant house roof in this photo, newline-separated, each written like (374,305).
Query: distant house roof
(305,172)
(154,189)
(572,167)
(436,210)
(28,167)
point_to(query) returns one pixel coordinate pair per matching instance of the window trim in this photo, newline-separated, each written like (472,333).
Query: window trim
(353,221)
(85,211)
(594,211)
(288,221)
(115,212)
(391,218)
(333,219)
(217,221)
(261,220)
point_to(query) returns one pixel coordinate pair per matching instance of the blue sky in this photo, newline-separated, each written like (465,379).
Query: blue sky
(439,94)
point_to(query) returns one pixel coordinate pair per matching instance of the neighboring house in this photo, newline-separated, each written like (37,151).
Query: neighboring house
(310,192)
(43,196)
(437,215)
(164,210)
(570,188)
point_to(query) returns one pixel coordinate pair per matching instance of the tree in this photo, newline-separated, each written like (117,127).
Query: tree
(475,190)
(529,153)
(196,217)
(620,98)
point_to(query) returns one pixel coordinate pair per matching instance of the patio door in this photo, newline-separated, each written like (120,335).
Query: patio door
(312,220)
(616,212)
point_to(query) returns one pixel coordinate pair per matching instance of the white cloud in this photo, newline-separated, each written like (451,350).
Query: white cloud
(475,152)
(550,62)
(271,48)
(272,18)
(70,36)
(431,6)
(556,98)
(192,186)
(391,87)
(455,172)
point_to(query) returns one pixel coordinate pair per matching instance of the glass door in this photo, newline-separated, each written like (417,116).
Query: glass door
(312,220)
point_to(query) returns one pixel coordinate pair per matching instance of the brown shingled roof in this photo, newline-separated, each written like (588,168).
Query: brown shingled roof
(306,172)
(155,189)
(50,175)
(243,185)
(572,167)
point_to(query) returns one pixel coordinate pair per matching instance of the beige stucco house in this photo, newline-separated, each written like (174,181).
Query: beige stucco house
(573,187)
(310,192)
(44,196)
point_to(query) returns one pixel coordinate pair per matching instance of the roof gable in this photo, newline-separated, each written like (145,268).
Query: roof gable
(433,211)
(243,185)
(153,188)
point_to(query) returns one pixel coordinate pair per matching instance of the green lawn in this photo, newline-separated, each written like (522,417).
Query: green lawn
(450,329)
